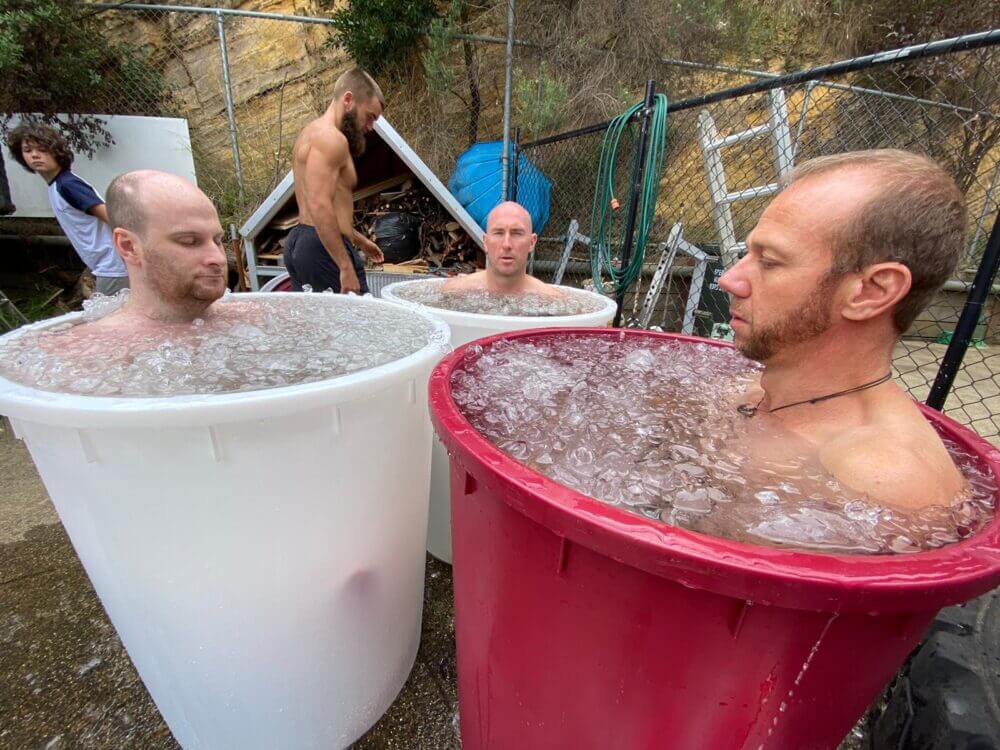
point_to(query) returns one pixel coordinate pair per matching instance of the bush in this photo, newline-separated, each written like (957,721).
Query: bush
(53,60)
(541,103)
(382,34)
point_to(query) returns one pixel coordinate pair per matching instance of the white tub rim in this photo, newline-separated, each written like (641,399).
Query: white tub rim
(19,401)
(608,309)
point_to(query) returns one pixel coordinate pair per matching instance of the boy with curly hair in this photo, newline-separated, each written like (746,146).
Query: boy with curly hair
(78,208)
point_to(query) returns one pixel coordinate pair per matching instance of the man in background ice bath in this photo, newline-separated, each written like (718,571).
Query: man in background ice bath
(78,208)
(509,242)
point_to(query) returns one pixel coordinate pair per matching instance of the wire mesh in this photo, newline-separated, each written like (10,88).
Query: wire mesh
(281,75)
(712,195)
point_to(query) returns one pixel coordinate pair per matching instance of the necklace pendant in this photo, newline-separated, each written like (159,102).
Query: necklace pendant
(746,410)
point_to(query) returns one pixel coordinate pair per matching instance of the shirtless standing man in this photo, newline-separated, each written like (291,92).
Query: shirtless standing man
(320,250)
(838,267)
(509,242)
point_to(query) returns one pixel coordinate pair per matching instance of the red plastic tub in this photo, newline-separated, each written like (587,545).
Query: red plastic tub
(580,625)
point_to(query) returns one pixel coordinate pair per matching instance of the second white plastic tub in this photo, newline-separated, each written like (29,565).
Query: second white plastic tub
(466,327)
(262,567)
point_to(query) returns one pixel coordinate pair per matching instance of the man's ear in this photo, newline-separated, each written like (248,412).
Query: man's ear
(877,290)
(348,100)
(534,241)
(127,246)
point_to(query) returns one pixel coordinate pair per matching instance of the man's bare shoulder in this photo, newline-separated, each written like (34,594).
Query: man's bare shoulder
(465,282)
(893,464)
(537,286)
(319,139)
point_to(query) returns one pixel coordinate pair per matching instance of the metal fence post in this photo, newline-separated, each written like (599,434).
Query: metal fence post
(633,204)
(515,149)
(967,321)
(6,202)
(227,91)
(507,86)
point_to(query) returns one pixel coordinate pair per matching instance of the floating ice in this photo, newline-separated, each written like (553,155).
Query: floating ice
(430,293)
(100,305)
(240,345)
(652,427)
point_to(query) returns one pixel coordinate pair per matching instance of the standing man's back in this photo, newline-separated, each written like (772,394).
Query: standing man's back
(320,251)
(78,208)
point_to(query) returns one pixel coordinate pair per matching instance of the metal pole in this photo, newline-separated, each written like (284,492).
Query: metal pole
(227,91)
(512,192)
(7,206)
(970,251)
(913,52)
(633,205)
(507,84)
(968,320)
(515,151)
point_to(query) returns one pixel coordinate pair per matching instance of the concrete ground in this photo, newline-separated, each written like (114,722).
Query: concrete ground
(975,396)
(67,683)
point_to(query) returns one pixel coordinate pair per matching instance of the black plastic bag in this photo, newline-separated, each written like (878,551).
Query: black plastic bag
(398,236)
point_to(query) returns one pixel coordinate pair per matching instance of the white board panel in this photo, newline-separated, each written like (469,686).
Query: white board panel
(162,143)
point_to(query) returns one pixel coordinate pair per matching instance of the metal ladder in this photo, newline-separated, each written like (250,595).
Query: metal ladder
(573,235)
(661,278)
(777,126)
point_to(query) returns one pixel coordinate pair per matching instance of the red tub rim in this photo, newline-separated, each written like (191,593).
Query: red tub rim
(797,579)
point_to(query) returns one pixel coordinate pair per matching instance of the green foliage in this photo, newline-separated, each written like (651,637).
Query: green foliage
(381,35)
(438,74)
(541,102)
(54,60)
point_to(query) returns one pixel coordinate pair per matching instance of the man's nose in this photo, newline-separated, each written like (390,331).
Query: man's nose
(217,257)
(735,282)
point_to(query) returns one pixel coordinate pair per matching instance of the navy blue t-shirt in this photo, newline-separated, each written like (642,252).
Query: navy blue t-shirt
(76,192)
(71,198)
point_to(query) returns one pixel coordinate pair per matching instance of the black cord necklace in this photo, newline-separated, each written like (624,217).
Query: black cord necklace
(748,411)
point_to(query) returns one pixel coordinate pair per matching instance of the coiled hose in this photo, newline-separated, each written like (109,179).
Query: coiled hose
(607,223)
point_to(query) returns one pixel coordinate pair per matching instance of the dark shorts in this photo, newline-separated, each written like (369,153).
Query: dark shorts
(308,262)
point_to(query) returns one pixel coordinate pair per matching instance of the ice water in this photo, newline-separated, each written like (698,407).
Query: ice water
(240,345)
(431,293)
(651,427)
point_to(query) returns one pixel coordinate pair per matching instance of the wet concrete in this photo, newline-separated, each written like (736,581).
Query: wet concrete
(68,683)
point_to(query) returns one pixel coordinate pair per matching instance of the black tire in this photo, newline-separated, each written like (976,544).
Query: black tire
(946,698)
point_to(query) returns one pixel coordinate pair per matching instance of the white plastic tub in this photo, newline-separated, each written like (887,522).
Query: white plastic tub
(261,563)
(466,327)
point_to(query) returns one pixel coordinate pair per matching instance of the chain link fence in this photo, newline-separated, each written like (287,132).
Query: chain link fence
(724,159)
(247,82)
(248,103)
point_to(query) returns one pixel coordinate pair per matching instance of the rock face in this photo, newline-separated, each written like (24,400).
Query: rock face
(281,74)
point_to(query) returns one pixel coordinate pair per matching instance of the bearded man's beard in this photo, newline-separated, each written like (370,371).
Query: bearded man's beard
(808,322)
(352,131)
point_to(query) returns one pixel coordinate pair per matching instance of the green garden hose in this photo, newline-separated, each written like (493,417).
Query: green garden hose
(607,221)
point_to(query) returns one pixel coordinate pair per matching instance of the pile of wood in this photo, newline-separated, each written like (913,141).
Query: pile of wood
(444,244)
(271,242)
(445,247)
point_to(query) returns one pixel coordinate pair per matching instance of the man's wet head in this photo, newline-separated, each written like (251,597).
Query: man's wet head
(855,246)
(509,240)
(169,234)
(361,102)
